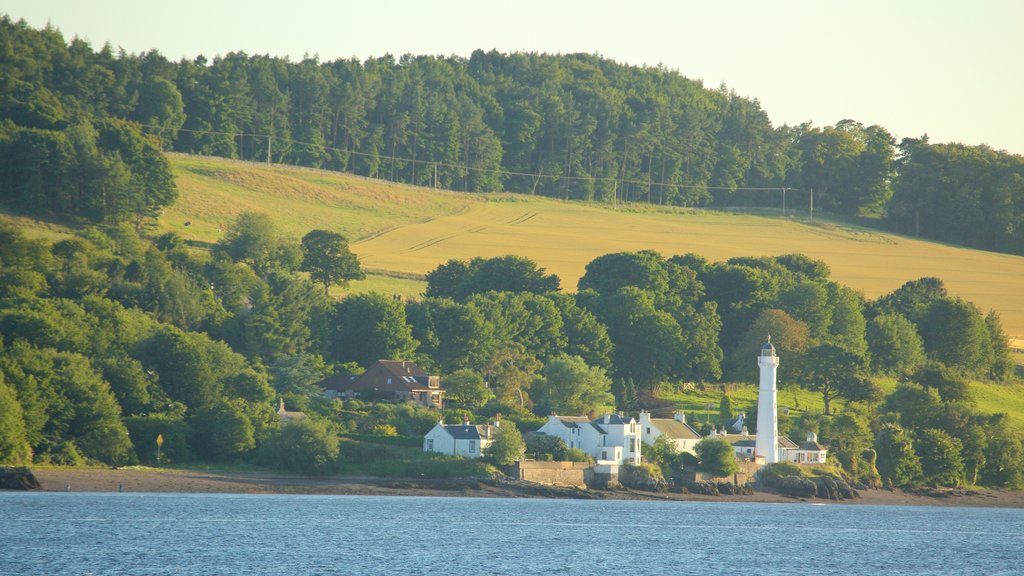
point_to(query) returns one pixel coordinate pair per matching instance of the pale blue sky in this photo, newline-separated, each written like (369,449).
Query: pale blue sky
(951,69)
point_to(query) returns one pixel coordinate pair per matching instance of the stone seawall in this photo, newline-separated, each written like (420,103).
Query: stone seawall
(554,473)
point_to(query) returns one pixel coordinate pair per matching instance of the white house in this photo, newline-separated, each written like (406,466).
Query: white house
(463,439)
(610,439)
(674,429)
(810,452)
(745,446)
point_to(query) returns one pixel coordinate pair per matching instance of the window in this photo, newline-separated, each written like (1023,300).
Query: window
(632,446)
(648,430)
(430,444)
(604,454)
(472,445)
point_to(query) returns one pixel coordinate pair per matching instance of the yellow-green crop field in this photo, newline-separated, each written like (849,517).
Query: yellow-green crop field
(402,232)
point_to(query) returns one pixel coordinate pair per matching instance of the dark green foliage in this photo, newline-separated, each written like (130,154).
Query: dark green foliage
(459,280)
(955,333)
(508,446)
(969,195)
(143,431)
(539,446)
(526,319)
(327,258)
(912,299)
(725,409)
(1002,363)
(835,373)
(14,447)
(848,166)
(941,460)
(917,407)
(716,456)
(453,335)
(771,474)
(370,327)
(895,345)
(666,457)
(568,386)
(898,464)
(789,336)
(221,432)
(303,447)
(466,388)
(950,383)
(1004,463)
(626,397)
(587,337)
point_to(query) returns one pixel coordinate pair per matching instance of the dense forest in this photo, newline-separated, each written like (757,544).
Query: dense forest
(110,337)
(80,130)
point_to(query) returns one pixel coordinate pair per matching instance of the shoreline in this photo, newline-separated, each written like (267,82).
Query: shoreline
(150,480)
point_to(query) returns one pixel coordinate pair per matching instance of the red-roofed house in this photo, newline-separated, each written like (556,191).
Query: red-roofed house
(388,381)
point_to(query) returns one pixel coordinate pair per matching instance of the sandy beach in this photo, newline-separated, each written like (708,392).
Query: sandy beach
(151,480)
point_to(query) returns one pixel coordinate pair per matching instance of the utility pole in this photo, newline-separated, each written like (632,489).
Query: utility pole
(812,204)
(270,137)
(783,201)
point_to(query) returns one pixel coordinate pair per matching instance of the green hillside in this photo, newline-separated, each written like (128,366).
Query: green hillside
(402,232)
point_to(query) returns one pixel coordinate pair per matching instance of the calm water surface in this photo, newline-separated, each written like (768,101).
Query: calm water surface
(153,534)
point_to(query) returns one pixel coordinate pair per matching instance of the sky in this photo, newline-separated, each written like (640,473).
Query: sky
(948,68)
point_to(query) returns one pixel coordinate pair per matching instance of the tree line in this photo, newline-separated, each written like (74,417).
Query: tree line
(79,129)
(109,337)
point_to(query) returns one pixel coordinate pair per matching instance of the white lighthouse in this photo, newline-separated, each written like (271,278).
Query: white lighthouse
(767,444)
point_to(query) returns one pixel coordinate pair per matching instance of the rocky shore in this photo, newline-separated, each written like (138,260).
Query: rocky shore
(191,481)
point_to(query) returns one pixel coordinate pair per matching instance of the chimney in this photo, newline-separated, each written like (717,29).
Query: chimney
(607,418)
(745,432)
(497,420)
(440,421)
(713,432)
(812,437)
(465,419)
(680,417)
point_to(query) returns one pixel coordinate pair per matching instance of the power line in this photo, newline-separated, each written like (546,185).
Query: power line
(500,172)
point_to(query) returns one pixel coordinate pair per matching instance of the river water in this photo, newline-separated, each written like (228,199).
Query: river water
(190,534)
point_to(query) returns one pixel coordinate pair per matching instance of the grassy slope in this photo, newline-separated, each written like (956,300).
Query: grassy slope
(402,232)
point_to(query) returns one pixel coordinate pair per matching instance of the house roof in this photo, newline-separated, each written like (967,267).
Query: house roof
(736,424)
(395,375)
(734,438)
(572,421)
(745,443)
(337,382)
(463,431)
(613,419)
(675,429)
(812,446)
(785,442)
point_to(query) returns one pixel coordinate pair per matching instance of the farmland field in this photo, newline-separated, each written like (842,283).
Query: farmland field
(402,232)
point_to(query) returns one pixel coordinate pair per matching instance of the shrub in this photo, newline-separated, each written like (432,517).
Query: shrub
(64,454)
(772,473)
(302,446)
(643,477)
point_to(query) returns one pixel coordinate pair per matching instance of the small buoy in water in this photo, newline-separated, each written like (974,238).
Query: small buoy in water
(120,487)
